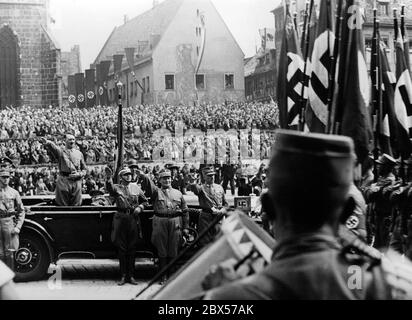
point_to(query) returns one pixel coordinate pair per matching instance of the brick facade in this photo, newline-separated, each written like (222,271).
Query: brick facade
(38,69)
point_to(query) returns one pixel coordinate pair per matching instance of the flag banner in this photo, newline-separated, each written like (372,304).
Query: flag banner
(117,65)
(352,116)
(202,43)
(102,85)
(90,88)
(290,76)
(130,58)
(267,36)
(403,89)
(400,143)
(130,61)
(99,82)
(80,97)
(320,65)
(239,237)
(405,38)
(72,91)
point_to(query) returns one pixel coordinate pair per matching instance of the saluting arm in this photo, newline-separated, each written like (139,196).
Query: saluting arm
(53,147)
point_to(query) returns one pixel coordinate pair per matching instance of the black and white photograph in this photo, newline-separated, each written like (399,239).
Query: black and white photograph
(205,150)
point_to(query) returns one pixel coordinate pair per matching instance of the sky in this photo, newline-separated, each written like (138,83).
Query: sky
(89,23)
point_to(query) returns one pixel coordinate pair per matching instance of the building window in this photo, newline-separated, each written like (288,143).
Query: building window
(197,50)
(148,84)
(135,84)
(383,9)
(110,94)
(144,85)
(229,81)
(200,82)
(170,81)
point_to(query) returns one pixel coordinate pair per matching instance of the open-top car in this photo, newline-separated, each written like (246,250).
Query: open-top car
(52,232)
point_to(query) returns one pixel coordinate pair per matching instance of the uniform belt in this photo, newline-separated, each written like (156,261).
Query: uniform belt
(168,215)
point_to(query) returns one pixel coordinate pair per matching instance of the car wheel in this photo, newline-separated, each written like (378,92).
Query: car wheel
(32,259)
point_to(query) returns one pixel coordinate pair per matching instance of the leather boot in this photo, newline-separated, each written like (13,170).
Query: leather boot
(130,269)
(162,265)
(123,269)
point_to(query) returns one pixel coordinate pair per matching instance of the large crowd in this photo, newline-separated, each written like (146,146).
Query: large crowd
(95,128)
(95,131)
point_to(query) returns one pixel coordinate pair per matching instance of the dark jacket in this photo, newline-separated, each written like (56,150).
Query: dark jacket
(309,267)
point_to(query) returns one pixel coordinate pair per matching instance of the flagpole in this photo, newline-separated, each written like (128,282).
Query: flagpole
(305,62)
(119,160)
(332,73)
(403,20)
(305,25)
(376,93)
(396,31)
(405,37)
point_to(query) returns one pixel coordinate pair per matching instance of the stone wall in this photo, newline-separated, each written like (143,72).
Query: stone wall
(38,79)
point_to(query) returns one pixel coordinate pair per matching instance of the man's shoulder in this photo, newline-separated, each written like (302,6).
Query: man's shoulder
(12,191)
(176,193)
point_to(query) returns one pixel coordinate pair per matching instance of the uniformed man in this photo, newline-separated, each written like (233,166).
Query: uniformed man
(130,201)
(72,168)
(11,218)
(377,196)
(134,167)
(401,200)
(309,179)
(212,202)
(170,221)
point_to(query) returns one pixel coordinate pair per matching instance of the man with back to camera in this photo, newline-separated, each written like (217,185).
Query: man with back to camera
(72,169)
(309,180)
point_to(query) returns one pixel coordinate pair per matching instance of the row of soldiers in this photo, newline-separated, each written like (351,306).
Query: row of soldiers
(389,199)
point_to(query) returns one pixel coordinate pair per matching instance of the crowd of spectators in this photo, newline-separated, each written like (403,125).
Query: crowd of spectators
(95,128)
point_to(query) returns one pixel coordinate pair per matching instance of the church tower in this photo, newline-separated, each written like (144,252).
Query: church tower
(29,56)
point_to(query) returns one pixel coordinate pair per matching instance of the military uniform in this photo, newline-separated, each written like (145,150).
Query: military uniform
(11,220)
(377,196)
(170,219)
(356,222)
(125,227)
(211,198)
(309,267)
(69,183)
(309,261)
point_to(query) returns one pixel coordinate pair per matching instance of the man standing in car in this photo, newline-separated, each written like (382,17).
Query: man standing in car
(72,168)
(130,202)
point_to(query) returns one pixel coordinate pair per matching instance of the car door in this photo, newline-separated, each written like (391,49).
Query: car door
(74,229)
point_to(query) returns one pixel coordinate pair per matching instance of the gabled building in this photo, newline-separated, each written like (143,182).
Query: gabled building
(260,72)
(184,53)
